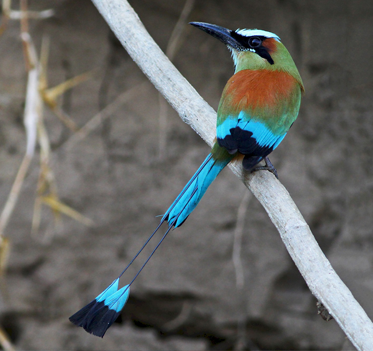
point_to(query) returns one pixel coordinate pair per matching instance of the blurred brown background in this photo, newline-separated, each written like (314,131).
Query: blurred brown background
(187,298)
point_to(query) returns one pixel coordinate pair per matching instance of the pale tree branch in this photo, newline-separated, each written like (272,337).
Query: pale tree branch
(321,278)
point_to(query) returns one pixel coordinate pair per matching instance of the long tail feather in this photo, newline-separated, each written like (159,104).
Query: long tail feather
(193,192)
(101,313)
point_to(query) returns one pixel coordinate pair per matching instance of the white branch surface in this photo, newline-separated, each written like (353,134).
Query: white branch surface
(321,278)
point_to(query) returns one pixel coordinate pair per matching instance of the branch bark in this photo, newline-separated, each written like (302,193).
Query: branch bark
(320,277)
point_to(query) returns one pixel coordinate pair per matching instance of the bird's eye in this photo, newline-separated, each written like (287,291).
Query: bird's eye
(255,42)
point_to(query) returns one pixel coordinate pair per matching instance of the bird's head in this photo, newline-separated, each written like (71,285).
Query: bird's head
(251,48)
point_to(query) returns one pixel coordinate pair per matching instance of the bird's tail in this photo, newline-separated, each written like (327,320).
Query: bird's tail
(193,192)
(101,313)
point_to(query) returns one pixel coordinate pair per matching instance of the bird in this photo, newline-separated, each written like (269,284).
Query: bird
(259,104)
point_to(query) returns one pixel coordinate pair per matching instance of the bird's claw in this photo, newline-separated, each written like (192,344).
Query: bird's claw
(268,167)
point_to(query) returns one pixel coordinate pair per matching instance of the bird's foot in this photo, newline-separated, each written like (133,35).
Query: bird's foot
(268,167)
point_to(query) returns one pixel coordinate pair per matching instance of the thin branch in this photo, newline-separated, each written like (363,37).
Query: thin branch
(171,49)
(237,243)
(9,14)
(97,119)
(321,278)
(26,36)
(37,90)
(163,128)
(5,341)
(17,15)
(176,35)
(31,116)
(13,195)
(241,339)
(180,319)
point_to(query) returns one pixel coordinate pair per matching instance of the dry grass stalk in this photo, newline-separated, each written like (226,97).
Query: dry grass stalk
(6,9)
(31,116)
(47,193)
(17,15)
(50,96)
(35,131)
(46,179)
(59,207)
(4,254)
(8,13)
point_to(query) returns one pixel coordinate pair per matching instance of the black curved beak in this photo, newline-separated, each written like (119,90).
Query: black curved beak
(223,34)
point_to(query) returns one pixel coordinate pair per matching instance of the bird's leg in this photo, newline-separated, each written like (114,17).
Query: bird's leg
(268,167)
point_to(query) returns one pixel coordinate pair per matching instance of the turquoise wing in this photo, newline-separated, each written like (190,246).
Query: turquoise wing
(247,136)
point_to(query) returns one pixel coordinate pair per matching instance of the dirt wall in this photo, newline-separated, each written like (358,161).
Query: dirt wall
(187,297)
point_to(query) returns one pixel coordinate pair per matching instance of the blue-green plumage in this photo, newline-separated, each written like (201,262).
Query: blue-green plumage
(258,106)
(247,136)
(101,313)
(193,192)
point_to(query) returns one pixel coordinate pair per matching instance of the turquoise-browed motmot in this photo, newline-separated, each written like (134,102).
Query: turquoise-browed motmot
(259,104)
